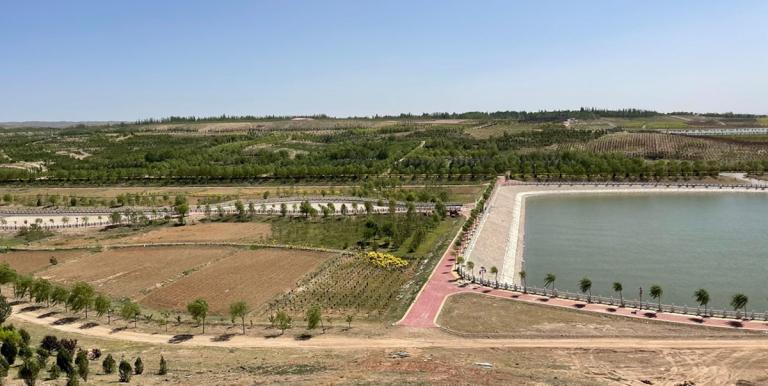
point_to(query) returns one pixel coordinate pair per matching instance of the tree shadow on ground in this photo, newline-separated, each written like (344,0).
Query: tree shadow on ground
(650,315)
(48,314)
(304,336)
(88,325)
(16,302)
(610,309)
(118,329)
(31,308)
(544,300)
(696,320)
(67,320)
(176,339)
(579,305)
(486,291)
(222,338)
(735,324)
(273,336)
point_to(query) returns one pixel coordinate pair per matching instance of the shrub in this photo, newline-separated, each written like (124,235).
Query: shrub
(386,260)
(108,364)
(69,345)
(163,366)
(9,351)
(29,371)
(138,366)
(64,361)
(24,336)
(50,343)
(54,372)
(82,365)
(125,371)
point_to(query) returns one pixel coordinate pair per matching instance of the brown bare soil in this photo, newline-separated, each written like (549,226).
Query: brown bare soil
(206,232)
(253,276)
(507,317)
(31,261)
(130,272)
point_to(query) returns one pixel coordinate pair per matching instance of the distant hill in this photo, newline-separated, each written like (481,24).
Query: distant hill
(55,124)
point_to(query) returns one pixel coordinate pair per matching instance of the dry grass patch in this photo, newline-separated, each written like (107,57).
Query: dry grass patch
(132,272)
(509,317)
(254,276)
(27,262)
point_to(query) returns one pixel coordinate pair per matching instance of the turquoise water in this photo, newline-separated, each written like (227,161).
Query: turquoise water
(716,241)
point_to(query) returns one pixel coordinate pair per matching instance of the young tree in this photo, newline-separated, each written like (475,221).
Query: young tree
(495,272)
(348,319)
(283,321)
(283,209)
(471,266)
(239,310)
(523,275)
(344,210)
(702,297)
(7,274)
(41,291)
(59,295)
(739,302)
(181,207)
(313,317)
(81,361)
(138,366)
(108,365)
(125,371)
(164,316)
(656,293)
(103,305)
(130,310)
(549,280)
(81,297)
(368,207)
(5,310)
(617,287)
(585,285)
(163,366)
(240,208)
(440,209)
(198,309)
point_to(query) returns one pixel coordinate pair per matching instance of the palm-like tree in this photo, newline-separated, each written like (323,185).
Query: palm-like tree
(549,280)
(522,280)
(617,287)
(656,293)
(495,271)
(702,297)
(585,285)
(471,266)
(738,302)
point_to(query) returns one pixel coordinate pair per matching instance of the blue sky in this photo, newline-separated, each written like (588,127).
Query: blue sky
(101,60)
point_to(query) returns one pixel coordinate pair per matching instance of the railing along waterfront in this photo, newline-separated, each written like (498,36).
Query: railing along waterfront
(649,306)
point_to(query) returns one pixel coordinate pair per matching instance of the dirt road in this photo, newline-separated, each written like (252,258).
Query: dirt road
(402,337)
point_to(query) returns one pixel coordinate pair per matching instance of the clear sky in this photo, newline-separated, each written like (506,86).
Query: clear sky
(125,60)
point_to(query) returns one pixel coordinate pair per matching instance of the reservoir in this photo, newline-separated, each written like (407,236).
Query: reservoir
(680,241)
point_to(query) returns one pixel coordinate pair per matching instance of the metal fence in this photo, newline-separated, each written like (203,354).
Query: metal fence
(651,306)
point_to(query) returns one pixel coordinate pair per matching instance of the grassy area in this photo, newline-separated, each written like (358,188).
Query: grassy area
(503,317)
(340,232)
(762,121)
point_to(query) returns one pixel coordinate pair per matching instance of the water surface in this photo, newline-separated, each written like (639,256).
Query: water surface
(680,241)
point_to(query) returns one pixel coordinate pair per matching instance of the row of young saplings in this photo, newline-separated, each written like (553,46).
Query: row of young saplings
(738,301)
(68,360)
(83,298)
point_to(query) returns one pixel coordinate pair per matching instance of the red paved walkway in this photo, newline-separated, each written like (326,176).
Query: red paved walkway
(443,283)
